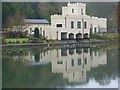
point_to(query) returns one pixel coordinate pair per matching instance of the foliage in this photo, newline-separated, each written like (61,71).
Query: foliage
(20,40)
(16,34)
(95,36)
(34,40)
(104,36)
(3,40)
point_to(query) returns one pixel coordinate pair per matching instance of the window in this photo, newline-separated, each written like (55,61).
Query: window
(63,52)
(72,10)
(79,61)
(73,74)
(58,25)
(44,33)
(72,24)
(40,31)
(59,62)
(95,53)
(95,30)
(57,35)
(78,24)
(72,63)
(85,24)
(82,73)
(85,60)
(81,11)
(30,30)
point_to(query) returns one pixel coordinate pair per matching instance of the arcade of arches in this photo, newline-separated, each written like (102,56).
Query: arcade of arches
(71,36)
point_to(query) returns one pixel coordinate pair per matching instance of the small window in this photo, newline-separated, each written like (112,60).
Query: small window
(81,11)
(59,62)
(85,24)
(44,33)
(59,25)
(72,10)
(63,52)
(72,63)
(72,24)
(73,74)
(30,30)
(78,24)
(95,30)
(85,60)
(40,28)
(95,53)
(79,61)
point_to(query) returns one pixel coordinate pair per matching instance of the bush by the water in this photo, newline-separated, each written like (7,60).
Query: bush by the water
(104,36)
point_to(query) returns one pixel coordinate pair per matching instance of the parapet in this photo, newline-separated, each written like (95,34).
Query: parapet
(98,18)
(74,4)
(102,18)
(56,15)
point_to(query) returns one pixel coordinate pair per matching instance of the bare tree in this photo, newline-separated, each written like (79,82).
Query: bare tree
(17,23)
(16,20)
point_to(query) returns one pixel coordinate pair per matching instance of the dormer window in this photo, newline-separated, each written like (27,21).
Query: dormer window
(72,10)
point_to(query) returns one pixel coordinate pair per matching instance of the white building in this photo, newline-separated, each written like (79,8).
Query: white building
(73,23)
(31,24)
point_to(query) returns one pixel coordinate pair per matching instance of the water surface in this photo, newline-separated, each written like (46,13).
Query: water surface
(78,67)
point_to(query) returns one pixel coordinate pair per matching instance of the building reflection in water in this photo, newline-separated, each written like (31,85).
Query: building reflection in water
(73,63)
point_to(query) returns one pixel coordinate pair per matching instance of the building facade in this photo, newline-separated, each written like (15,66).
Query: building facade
(73,24)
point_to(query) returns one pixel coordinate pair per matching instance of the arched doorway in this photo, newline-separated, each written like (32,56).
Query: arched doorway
(64,36)
(85,36)
(36,32)
(78,36)
(71,36)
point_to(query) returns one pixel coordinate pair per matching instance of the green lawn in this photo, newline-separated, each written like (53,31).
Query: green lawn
(13,40)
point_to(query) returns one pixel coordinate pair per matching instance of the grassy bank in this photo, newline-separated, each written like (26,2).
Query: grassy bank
(16,40)
(94,38)
(105,36)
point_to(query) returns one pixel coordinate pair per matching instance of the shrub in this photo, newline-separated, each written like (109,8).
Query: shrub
(13,42)
(3,40)
(9,42)
(17,41)
(34,40)
(23,42)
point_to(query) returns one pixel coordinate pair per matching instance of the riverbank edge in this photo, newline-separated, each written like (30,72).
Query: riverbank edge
(83,43)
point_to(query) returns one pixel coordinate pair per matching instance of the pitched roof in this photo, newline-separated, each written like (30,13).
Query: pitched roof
(36,21)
